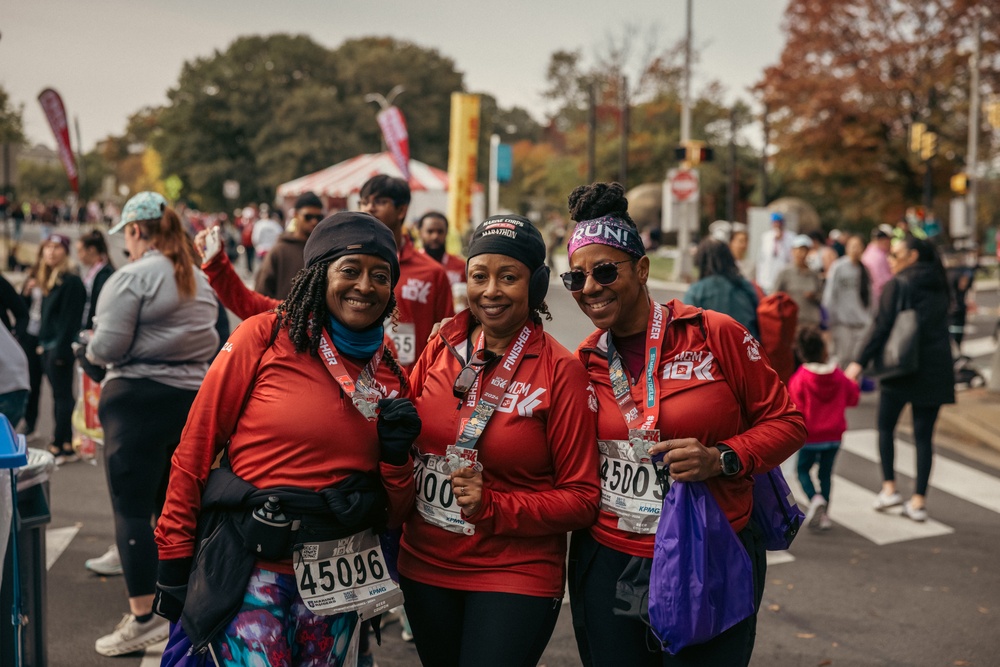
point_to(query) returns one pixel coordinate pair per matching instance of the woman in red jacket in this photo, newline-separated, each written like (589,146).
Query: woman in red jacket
(505,465)
(670,379)
(304,403)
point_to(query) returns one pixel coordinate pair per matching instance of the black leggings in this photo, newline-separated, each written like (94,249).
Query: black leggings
(142,421)
(30,344)
(608,639)
(889,408)
(454,628)
(60,375)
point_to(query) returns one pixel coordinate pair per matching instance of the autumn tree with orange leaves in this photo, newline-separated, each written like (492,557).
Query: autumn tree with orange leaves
(853,76)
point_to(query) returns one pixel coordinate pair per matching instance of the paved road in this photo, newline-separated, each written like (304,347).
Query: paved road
(876,590)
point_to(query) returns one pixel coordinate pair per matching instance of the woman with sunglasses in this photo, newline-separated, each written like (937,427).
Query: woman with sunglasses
(505,464)
(303,407)
(671,380)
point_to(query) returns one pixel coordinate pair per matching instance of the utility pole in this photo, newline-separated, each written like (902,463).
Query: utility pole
(764,194)
(731,190)
(591,131)
(972,154)
(689,212)
(623,147)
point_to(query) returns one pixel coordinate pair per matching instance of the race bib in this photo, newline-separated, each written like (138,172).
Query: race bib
(346,575)
(404,337)
(435,500)
(629,487)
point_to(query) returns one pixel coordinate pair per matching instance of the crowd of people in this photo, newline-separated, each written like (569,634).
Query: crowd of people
(393,427)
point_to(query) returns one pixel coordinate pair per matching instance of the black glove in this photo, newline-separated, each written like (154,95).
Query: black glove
(171,588)
(398,426)
(94,372)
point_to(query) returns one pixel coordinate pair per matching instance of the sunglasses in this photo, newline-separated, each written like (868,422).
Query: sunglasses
(312,217)
(604,274)
(470,372)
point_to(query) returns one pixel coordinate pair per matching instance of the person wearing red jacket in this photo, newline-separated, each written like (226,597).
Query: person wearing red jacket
(505,465)
(423,294)
(432,227)
(823,393)
(308,411)
(671,380)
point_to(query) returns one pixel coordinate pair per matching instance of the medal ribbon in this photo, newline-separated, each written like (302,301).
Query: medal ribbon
(636,417)
(475,414)
(361,387)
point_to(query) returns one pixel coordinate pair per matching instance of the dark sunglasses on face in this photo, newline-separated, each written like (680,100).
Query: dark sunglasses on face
(312,217)
(467,376)
(604,274)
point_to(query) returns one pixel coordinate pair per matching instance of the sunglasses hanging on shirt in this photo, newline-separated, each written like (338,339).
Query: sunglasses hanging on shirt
(479,360)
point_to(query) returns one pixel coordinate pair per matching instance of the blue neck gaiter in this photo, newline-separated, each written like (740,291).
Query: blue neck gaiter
(356,344)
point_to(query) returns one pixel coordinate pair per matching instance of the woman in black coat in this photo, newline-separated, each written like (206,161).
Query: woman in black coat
(919,281)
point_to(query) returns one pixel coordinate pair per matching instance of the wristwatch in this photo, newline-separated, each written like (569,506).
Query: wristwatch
(731,465)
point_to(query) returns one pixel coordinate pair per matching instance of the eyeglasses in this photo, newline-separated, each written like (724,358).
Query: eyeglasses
(467,376)
(312,217)
(604,274)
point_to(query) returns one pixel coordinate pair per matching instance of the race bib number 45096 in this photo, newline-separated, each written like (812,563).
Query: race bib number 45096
(345,575)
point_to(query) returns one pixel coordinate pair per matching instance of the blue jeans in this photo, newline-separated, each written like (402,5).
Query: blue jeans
(13,405)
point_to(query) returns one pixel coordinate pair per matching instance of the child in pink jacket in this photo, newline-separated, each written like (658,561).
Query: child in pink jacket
(823,393)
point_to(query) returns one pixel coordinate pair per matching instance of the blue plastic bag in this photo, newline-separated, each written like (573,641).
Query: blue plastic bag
(775,510)
(702,580)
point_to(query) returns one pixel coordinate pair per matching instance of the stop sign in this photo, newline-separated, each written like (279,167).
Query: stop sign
(684,185)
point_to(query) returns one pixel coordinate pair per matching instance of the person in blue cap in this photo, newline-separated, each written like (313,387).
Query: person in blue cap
(775,252)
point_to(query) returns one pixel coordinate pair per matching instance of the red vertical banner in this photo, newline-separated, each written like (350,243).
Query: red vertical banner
(396,138)
(55,112)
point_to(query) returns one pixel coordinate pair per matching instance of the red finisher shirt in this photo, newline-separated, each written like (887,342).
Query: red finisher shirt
(298,429)
(423,296)
(539,472)
(454,266)
(737,401)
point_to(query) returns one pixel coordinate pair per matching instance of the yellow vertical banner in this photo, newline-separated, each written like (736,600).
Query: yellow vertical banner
(462,156)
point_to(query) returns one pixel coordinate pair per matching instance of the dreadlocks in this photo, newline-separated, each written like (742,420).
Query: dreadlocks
(304,314)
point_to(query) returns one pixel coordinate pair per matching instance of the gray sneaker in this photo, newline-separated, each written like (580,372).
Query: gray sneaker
(109,565)
(130,636)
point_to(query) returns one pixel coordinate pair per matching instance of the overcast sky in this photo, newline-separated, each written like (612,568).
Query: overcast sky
(109,58)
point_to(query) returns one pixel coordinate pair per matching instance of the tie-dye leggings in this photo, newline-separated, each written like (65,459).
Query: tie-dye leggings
(274,629)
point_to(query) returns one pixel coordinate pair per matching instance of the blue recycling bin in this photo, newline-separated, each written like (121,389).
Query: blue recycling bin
(24,513)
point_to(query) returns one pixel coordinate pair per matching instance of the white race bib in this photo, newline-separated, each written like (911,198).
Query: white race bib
(346,575)
(404,337)
(436,502)
(629,488)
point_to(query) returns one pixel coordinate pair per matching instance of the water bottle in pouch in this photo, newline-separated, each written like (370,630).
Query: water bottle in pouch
(269,532)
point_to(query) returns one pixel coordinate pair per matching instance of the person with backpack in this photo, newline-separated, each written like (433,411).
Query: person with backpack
(672,380)
(823,393)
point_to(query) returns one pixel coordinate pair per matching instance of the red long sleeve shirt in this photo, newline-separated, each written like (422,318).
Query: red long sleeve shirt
(716,386)
(298,429)
(539,472)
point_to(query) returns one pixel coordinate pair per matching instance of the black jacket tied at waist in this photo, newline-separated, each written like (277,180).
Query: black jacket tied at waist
(222,563)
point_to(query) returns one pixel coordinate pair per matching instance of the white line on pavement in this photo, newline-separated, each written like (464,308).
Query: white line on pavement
(56,541)
(151,658)
(952,477)
(779,557)
(979,347)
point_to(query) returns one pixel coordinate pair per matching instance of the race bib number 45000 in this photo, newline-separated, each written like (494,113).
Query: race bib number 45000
(629,488)
(435,499)
(346,575)
(404,337)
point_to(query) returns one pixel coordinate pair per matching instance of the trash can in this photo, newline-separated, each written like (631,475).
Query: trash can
(33,514)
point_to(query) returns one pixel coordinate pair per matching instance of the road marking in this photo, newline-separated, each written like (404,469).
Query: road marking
(851,507)
(153,654)
(979,347)
(957,479)
(779,557)
(56,541)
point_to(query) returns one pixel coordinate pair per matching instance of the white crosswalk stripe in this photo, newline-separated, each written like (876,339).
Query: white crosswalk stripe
(56,541)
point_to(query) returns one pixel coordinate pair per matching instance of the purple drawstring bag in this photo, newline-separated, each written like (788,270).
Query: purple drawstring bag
(701,583)
(775,510)
(177,652)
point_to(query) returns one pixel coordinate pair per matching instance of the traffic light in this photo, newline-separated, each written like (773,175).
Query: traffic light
(916,135)
(928,145)
(960,184)
(694,153)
